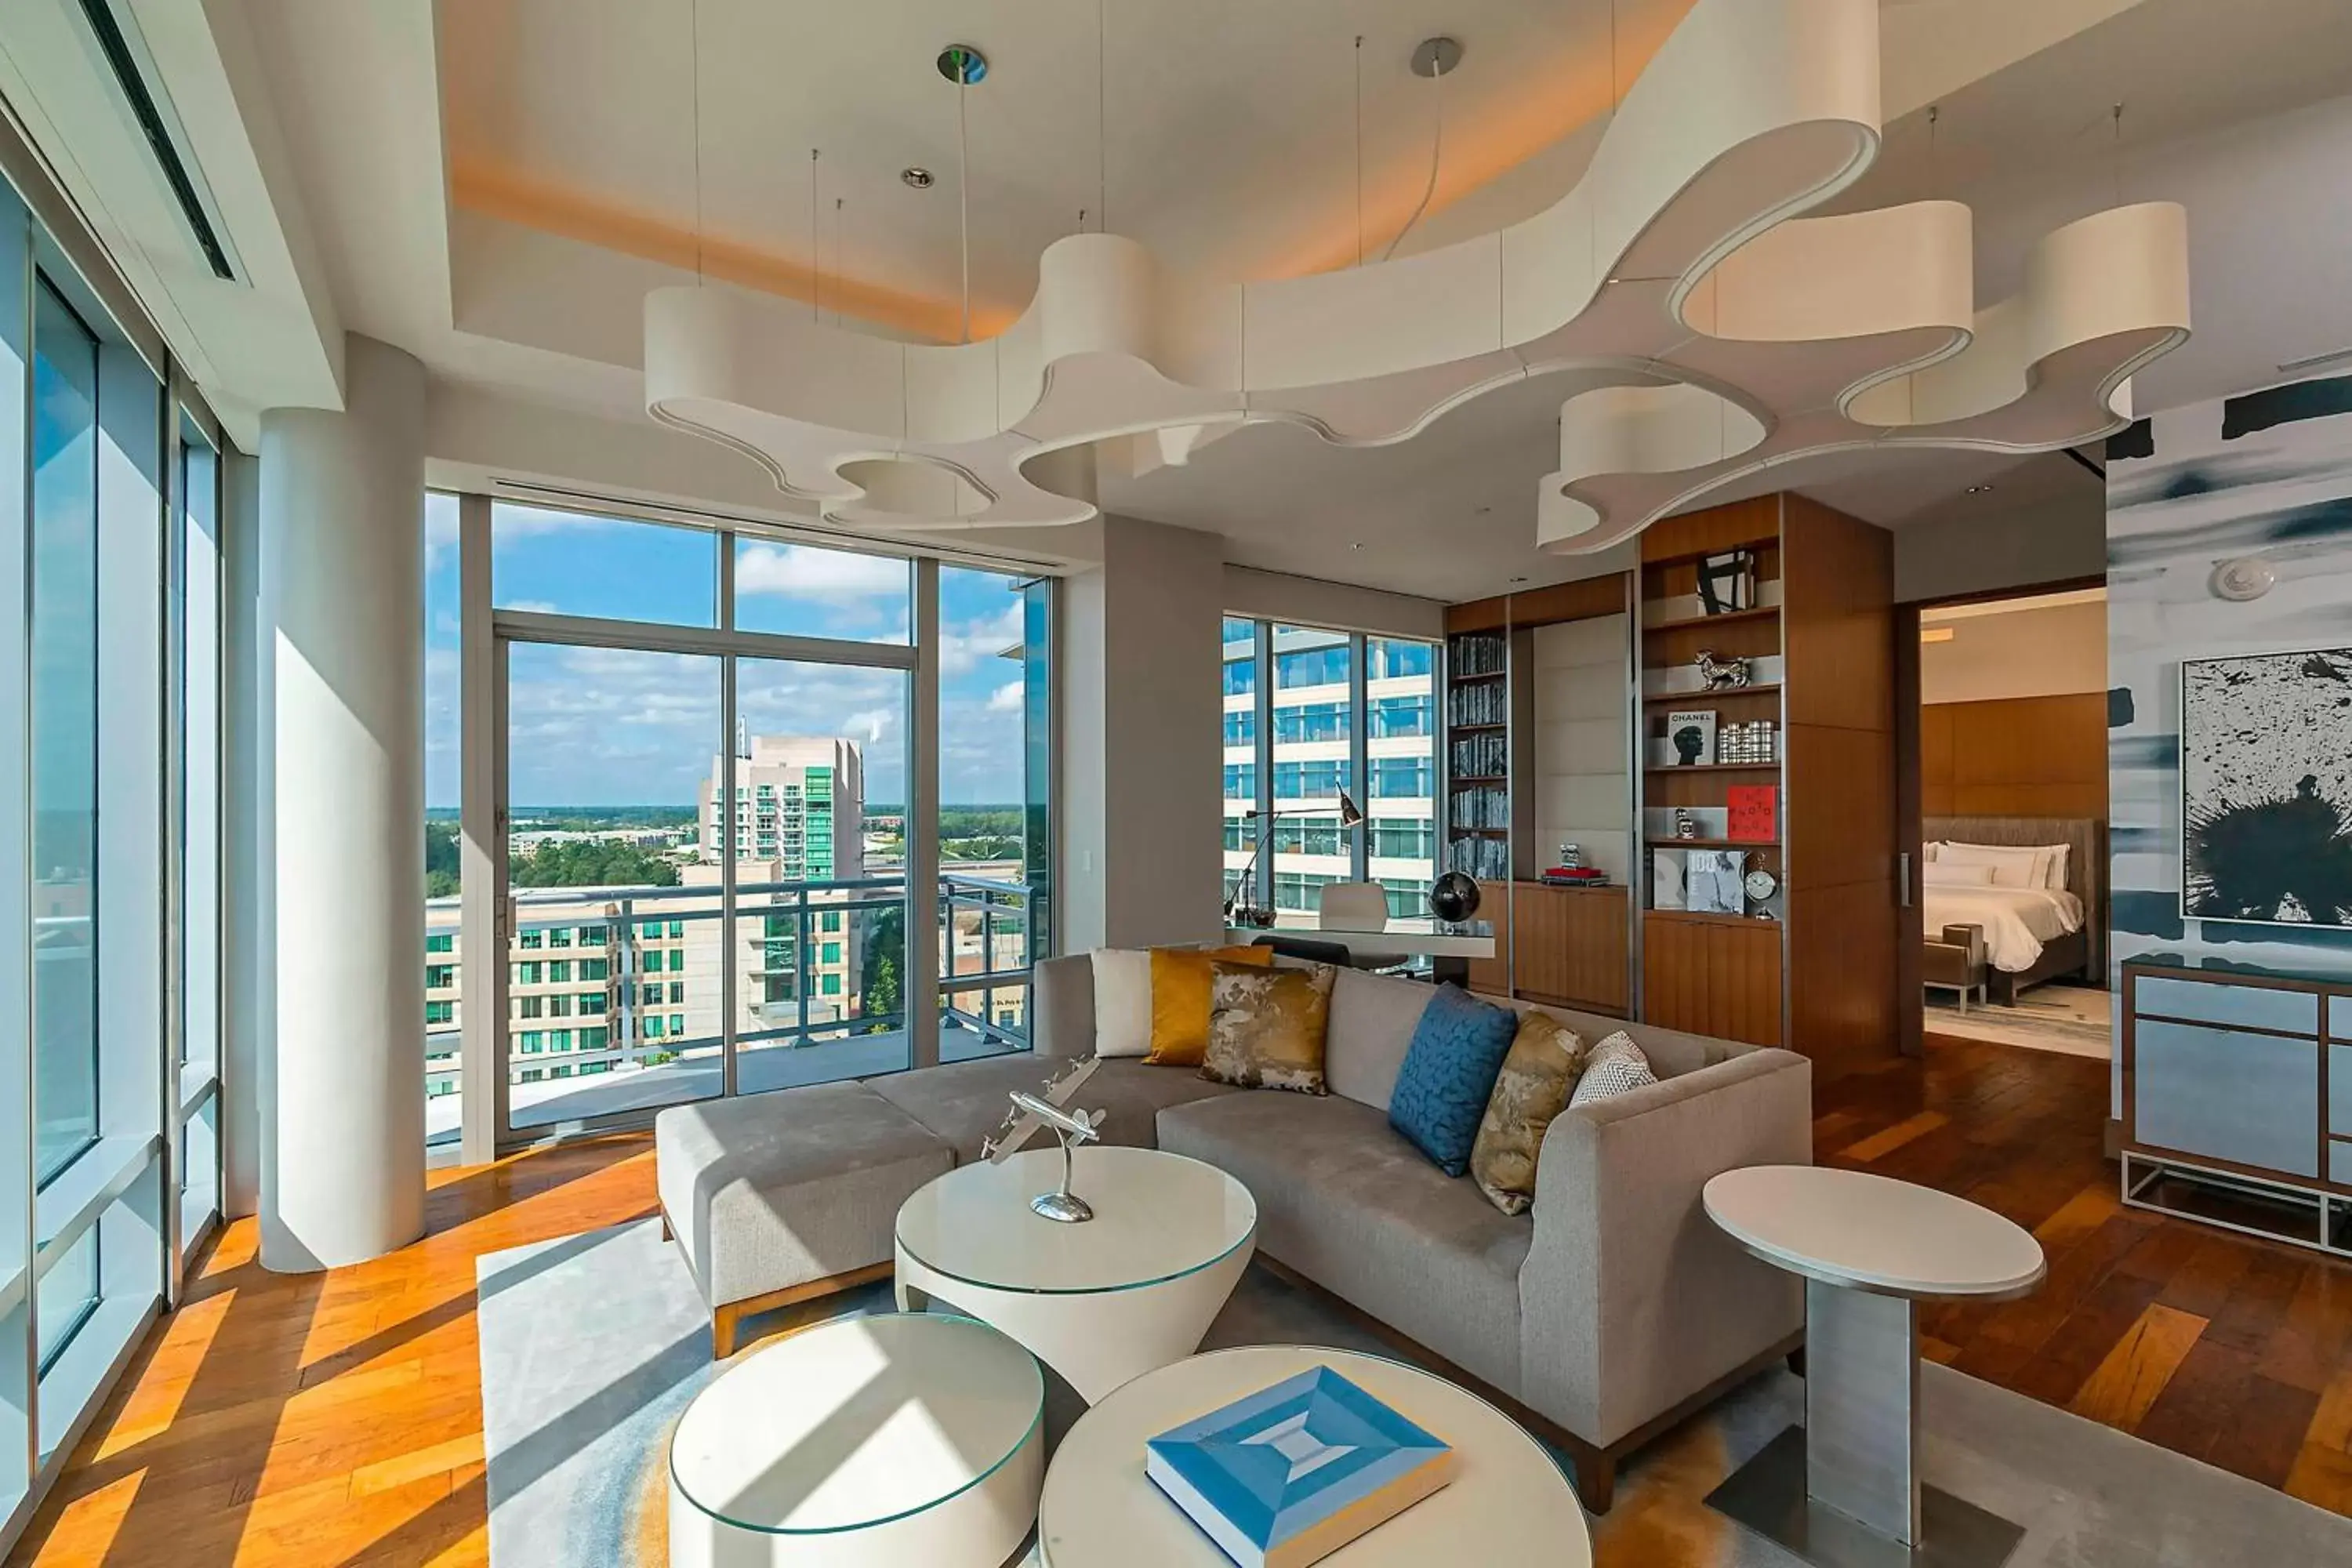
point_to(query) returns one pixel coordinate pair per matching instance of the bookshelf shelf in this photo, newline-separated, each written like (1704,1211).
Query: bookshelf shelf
(1723,694)
(1669,841)
(1715,768)
(1728,618)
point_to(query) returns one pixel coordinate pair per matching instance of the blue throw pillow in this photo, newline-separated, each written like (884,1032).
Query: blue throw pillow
(1449,1074)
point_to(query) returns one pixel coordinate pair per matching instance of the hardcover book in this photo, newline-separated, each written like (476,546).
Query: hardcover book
(1289,1474)
(1690,732)
(1755,814)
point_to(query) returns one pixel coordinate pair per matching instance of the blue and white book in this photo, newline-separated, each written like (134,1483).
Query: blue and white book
(1289,1474)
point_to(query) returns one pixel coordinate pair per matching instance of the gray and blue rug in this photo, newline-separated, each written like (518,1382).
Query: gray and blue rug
(592,1344)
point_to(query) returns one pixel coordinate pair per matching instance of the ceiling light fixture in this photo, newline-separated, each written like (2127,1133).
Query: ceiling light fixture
(915,174)
(966,67)
(2315,362)
(1518,578)
(1979,490)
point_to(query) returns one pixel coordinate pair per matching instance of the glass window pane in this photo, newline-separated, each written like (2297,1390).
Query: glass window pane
(445,914)
(67,1295)
(64,736)
(806,590)
(1314,724)
(606,751)
(568,564)
(1241,750)
(1401,692)
(200,926)
(993,709)
(820,800)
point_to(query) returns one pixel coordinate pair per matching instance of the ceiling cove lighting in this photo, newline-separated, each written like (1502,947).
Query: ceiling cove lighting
(1742,335)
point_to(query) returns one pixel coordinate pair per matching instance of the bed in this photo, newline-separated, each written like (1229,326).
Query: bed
(2032,935)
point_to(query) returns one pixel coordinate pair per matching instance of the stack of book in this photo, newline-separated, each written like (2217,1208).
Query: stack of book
(1575,877)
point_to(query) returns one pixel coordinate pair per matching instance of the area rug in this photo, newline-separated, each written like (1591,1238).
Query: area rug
(2072,1020)
(592,1344)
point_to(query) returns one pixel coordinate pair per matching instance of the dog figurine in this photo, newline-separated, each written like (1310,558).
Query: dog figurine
(1722,674)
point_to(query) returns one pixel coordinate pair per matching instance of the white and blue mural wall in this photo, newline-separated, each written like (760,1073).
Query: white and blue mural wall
(2229,675)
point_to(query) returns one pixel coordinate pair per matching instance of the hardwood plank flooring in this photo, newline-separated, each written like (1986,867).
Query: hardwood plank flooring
(336,1419)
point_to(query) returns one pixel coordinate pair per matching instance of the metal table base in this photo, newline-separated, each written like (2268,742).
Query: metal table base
(1843,1490)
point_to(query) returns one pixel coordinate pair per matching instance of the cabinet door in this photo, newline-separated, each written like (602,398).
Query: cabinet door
(2251,1099)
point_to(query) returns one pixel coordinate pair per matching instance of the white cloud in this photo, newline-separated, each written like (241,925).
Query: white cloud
(801,572)
(1006,698)
(440,526)
(962,649)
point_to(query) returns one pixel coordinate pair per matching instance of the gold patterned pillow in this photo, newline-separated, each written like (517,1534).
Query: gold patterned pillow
(1265,1028)
(1546,1058)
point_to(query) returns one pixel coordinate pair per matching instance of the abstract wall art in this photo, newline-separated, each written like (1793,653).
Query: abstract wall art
(2266,787)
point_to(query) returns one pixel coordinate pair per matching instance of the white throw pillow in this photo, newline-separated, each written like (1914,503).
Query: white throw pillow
(2013,866)
(1615,1067)
(2055,880)
(1122,1002)
(1951,874)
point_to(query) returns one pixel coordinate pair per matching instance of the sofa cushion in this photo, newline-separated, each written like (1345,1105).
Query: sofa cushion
(1373,1020)
(1615,1067)
(1449,1074)
(1122,1002)
(1355,1208)
(1179,998)
(1266,1028)
(964,1102)
(1546,1058)
(773,1190)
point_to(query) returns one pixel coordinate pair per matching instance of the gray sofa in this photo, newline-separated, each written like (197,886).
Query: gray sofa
(1608,1312)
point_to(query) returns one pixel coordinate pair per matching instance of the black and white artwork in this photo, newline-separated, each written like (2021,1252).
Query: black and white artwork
(2266,787)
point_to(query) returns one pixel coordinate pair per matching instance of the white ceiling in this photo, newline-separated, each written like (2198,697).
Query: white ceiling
(495,185)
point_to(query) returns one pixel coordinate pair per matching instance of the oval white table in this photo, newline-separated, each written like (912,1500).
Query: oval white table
(1843,1490)
(905,1441)
(1507,1504)
(1131,1289)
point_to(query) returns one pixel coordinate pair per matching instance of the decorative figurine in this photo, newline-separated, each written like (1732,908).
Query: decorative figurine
(1571,857)
(1722,674)
(1073,1128)
(1685,825)
(1019,1126)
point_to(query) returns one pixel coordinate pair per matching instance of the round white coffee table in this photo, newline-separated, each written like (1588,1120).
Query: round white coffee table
(1507,1502)
(884,1442)
(1133,1288)
(1845,1486)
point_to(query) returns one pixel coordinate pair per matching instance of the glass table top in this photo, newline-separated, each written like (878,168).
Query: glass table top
(856,1424)
(1158,1217)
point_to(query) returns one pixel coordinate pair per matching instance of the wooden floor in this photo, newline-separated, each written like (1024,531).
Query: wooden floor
(336,1419)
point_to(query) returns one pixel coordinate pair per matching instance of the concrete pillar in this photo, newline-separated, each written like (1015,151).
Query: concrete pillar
(342,601)
(1142,740)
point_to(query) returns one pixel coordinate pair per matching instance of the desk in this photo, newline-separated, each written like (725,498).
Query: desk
(1449,954)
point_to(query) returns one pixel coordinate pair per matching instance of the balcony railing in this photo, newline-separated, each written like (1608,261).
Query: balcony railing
(986,933)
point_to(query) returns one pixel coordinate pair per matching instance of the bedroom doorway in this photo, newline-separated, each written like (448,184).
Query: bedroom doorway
(2003,813)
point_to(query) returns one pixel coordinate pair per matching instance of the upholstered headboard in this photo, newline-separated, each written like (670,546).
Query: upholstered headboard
(2086,867)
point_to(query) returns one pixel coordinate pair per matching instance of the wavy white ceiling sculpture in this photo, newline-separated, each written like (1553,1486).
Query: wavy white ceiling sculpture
(1698,328)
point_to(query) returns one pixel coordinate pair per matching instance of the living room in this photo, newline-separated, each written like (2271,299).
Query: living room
(1042,786)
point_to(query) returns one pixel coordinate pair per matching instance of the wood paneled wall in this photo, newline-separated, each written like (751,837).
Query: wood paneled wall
(2024,756)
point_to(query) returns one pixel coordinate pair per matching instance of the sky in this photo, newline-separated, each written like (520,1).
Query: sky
(606,727)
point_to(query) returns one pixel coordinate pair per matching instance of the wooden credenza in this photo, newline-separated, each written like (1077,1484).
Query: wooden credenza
(1568,946)
(1712,975)
(2237,1100)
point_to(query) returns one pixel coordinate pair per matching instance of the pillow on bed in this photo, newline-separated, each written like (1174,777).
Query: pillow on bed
(2013,866)
(1947,874)
(2056,881)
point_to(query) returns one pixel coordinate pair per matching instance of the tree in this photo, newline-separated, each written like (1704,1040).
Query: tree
(590,863)
(440,859)
(882,982)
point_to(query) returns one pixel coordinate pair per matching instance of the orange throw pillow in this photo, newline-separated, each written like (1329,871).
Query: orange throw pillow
(1179,999)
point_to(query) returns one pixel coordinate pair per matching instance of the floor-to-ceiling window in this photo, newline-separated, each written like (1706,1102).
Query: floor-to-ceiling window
(110,615)
(1311,716)
(708,756)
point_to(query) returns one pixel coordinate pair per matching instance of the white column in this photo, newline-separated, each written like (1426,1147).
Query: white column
(343,577)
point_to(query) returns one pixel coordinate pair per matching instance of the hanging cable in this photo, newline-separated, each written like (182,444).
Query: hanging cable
(840,257)
(1436,152)
(816,245)
(1359,149)
(694,31)
(963,197)
(1935,181)
(1102,117)
(2120,153)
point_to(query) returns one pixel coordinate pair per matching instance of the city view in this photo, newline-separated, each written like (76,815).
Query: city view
(625,985)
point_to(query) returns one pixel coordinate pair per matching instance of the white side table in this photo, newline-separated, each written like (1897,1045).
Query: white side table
(1132,1289)
(1843,1490)
(891,1442)
(1507,1504)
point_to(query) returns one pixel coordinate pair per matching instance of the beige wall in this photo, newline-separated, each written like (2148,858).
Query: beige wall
(2063,542)
(1581,743)
(1142,746)
(2024,653)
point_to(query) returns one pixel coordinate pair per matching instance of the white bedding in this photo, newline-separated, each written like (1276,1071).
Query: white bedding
(2016,920)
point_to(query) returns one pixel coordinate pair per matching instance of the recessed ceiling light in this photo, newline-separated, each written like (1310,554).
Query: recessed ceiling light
(1359,544)
(915,174)
(1518,578)
(1483,511)
(1979,490)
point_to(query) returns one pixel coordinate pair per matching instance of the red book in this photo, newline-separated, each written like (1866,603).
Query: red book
(1754,813)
